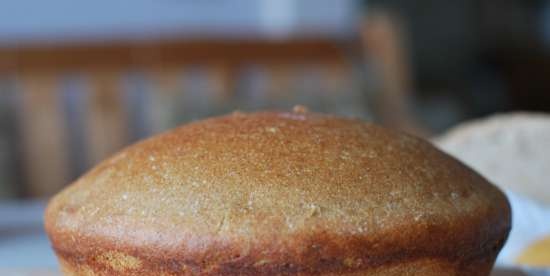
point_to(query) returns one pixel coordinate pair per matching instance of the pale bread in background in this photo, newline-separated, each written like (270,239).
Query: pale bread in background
(511,150)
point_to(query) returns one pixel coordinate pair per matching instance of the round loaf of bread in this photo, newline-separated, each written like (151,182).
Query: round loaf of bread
(279,193)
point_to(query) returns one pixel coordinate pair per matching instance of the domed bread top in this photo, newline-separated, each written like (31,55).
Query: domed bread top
(276,193)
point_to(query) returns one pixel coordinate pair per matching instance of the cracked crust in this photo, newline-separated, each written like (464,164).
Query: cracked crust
(276,193)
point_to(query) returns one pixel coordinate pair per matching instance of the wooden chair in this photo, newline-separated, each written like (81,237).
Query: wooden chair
(77,104)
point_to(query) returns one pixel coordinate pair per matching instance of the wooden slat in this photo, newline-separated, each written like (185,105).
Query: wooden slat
(168,53)
(279,77)
(42,132)
(221,80)
(106,114)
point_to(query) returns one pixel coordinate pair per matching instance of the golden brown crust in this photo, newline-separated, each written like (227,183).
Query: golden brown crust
(277,193)
(421,267)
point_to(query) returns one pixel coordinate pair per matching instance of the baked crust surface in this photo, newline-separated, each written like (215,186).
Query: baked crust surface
(277,193)
(421,267)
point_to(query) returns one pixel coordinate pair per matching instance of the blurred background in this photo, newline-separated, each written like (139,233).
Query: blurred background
(79,81)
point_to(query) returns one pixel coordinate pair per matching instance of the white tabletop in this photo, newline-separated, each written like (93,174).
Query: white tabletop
(23,243)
